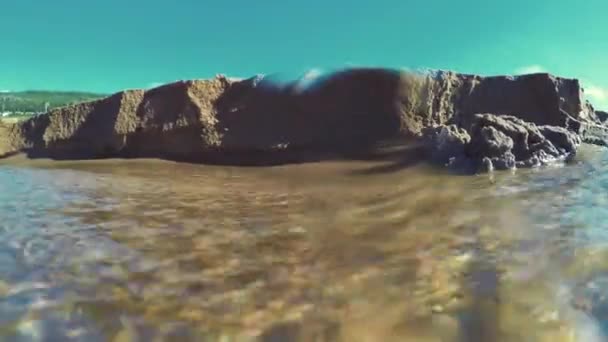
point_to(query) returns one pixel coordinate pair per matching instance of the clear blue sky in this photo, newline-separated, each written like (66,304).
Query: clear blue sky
(108,45)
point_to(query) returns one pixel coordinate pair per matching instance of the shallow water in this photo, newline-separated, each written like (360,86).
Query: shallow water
(332,251)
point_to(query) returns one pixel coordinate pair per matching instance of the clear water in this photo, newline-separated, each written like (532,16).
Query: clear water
(333,251)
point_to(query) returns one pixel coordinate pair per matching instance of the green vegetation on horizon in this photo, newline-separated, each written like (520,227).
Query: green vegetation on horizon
(35,101)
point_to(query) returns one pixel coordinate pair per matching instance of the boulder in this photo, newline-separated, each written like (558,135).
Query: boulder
(489,142)
(445,143)
(524,134)
(564,140)
(509,141)
(503,142)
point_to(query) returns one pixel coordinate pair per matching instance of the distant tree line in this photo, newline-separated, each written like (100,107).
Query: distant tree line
(40,101)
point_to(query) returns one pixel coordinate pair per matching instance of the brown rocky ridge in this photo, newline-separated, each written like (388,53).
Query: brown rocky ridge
(466,121)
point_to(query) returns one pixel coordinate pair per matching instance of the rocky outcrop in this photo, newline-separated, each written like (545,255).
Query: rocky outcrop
(500,142)
(540,98)
(259,120)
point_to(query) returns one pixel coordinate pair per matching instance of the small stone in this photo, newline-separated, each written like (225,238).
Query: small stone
(437,308)
(297,230)
(463,258)
(550,316)
(505,162)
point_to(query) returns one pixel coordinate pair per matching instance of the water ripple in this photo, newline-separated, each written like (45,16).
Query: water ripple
(115,250)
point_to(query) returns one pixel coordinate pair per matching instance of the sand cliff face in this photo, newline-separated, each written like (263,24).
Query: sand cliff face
(206,119)
(174,119)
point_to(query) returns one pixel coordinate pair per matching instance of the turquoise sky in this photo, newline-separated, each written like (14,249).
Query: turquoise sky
(108,45)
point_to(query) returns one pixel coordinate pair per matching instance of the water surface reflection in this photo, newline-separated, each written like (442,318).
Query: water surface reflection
(147,250)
